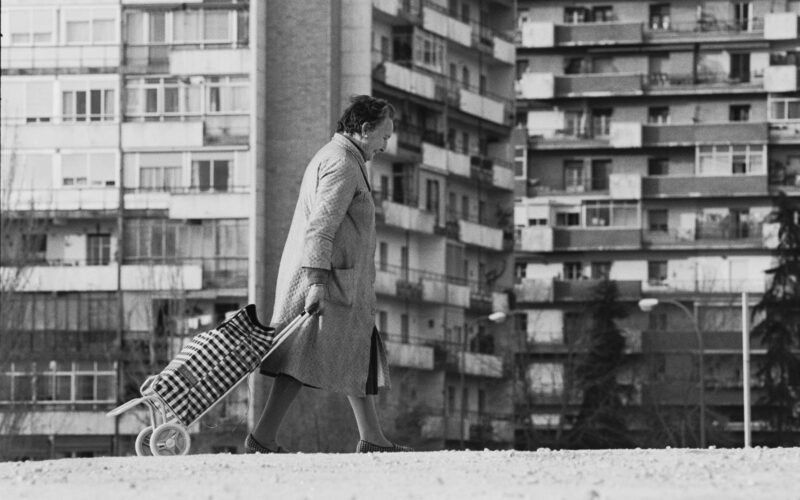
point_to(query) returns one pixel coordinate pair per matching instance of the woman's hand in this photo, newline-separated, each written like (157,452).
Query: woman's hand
(315,299)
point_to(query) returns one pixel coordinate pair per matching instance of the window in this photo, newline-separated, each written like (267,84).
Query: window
(465,77)
(603,13)
(465,143)
(658,115)
(171,98)
(34,247)
(724,160)
(743,15)
(210,175)
(740,67)
(481,401)
(30,26)
(573,270)
(58,382)
(465,399)
(89,26)
(575,123)
(739,113)
(600,172)
(429,51)
(404,328)
(784,109)
(383,259)
(658,166)
(465,207)
(612,213)
(601,122)
(522,67)
(656,272)
(658,220)
(660,16)
(465,13)
(520,270)
(520,162)
(575,15)
(98,249)
(88,169)
(383,321)
(94,105)
(568,219)
(482,84)
(574,176)
(577,65)
(601,270)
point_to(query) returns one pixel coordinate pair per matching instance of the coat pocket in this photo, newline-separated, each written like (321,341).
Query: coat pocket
(341,286)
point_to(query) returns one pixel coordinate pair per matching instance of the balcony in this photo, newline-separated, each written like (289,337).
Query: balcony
(597,238)
(229,202)
(783,78)
(534,290)
(702,83)
(598,33)
(103,278)
(746,235)
(405,79)
(598,84)
(44,57)
(705,133)
(478,364)
(404,216)
(472,233)
(163,134)
(436,20)
(409,355)
(419,285)
(80,201)
(232,58)
(706,29)
(581,290)
(691,287)
(535,239)
(702,186)
(489,108)
(60,134)
(781,26)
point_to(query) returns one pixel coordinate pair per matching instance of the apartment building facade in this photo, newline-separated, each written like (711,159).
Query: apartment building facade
(651,137)
(142,146)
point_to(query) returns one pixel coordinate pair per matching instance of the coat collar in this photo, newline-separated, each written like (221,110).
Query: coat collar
(348,145)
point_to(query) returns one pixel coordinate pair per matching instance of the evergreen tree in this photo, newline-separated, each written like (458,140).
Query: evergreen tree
(601,420)
(779,328)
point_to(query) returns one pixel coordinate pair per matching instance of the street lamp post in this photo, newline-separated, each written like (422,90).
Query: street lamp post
(649,304)
(495,317)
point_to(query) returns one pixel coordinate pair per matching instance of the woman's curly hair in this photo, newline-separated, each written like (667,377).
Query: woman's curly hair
(364,109)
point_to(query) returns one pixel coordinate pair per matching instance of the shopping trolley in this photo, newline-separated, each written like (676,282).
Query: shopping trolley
(206,370)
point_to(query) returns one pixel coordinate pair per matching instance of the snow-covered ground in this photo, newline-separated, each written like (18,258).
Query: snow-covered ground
(759,473)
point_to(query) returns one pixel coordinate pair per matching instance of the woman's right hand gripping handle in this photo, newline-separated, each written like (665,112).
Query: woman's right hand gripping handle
(315,299)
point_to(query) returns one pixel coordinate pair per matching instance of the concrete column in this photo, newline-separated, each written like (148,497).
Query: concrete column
(297,77)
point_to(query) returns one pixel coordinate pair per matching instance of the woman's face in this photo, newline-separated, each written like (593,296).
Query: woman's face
(374,141)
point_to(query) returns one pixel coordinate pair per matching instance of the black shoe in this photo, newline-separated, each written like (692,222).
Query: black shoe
(367,447)
(253,446)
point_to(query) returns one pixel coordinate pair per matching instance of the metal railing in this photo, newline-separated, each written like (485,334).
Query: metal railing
(190,189)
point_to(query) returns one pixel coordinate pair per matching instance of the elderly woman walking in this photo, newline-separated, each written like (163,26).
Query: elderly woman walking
(327,268)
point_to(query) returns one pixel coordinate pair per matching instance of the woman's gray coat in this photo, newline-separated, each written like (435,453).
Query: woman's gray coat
(333,227)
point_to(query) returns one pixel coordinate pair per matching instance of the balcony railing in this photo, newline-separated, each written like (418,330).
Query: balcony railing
(705,133)
(596,238)
(153,56)
(682,186)
(706,26)
(82,199)
(217,272)
(581,290)
(671,81)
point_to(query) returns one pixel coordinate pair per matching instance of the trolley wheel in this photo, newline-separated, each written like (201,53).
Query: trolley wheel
(170,439)
(142,445)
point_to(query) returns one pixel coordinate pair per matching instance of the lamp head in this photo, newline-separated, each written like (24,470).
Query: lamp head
(497,317)
(648,305)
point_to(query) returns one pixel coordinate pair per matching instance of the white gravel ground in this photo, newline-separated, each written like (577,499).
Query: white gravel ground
(759,473)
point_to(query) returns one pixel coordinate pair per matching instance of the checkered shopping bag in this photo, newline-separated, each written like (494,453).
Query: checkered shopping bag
(211,365)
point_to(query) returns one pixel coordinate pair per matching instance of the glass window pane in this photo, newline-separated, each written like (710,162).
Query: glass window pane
(105,388)
(108,104)
(158,30)
(171,102)
(201,175)
(63,388)
(216,25)
(95,104)
(68,105)
(102,30)
(39,100)
(45,390)
(84,387)
(77,31)
(151,101)
(193,96)
(23,388)
(186,26)
(221,175)
(134,27)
